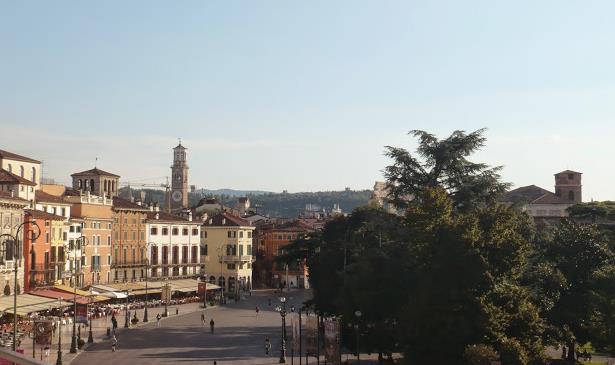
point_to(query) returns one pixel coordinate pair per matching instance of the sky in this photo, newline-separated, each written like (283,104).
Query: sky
(304,95)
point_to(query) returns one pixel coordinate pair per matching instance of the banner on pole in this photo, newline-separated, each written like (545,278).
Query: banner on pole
(332,341)
(82,314)
(294,320)
(43,331)
(311,328)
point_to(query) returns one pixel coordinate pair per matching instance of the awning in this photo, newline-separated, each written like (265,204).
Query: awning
(83,293)
(56,294)
(114,295)
(27,303)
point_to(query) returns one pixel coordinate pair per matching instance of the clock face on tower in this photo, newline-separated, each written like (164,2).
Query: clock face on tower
(177,196)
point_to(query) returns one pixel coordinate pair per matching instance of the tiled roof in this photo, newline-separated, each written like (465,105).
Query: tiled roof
(551,198)
(95,172)
(13,156)
(569,172)
(220,220)
(532,194)
(166,217)
(41,196)
(38,214)
(119,203)
(10,178)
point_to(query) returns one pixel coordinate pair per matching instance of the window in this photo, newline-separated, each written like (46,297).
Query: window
(109,240)
(240,250)
(72,229)
(125,236)
(184,254)
(231,234)
(33,174)
(108,259)
(63,212)
(203,234)
(571,195)
(185,232)
(125,220)
(240,234)
(570,177)
(154,231)
(134,235)
(195,232)
(134,255)
(175,255)
(21,171)
(250,250)
(108,225)
(194,254)
(83,262)
(142,236)
(249,234)
(125,257)
(175,231)
(230,266)
(165,231)
(204,250)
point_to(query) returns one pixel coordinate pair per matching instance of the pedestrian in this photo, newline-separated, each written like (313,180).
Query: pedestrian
(158,316)
(269,302)
(46,349)
(114,323)
(257,310)
(211,326)
(203,318)
(113,343)
(267,346)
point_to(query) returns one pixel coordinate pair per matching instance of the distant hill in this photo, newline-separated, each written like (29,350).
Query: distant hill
(273,204)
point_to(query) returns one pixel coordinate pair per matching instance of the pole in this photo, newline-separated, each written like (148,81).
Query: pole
(126,316)
(59,359)
(317,339)
(358,352)
(73,342)
(34,341)
(90,335)
(300,336)
(15,300)
(145,319)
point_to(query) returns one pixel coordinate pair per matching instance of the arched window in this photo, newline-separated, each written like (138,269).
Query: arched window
(91,184)
(112,186)
(105,186)
(221,282)
(80,184)
(33,174)
(154,255)
(571,195)
(212,279)
(21,171)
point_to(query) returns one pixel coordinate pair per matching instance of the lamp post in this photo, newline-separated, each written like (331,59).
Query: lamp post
(147,253)
(126,325)
(59,359)
(14,240)
(358,315)
(73,342)
(282,309)
(90,336)
(167,295)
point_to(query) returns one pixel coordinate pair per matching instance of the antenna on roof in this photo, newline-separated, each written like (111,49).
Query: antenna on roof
(95,162)
(180,141)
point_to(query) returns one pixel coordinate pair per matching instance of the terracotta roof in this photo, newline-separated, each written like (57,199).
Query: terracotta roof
(569,172)
(551,198)
(95,171)
(119,203)
(10,178)
(13,156)
(180,146)
(166,217)
(6,195)
(524,194)
(224,219)
(38,214)
(71,192)
(41,196)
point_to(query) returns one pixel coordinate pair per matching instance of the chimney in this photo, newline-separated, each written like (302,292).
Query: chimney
(190,216)
(157,215)
(223,221)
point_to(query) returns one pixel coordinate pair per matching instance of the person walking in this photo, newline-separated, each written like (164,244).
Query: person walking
(267,346)
(114,323)
(203,318)
(211,326)
(113,343)
(158,316)
(257,310)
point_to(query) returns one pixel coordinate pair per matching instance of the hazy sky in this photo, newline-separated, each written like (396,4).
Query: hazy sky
(303,95)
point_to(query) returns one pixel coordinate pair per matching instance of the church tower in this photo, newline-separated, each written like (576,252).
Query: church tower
(179,183)
(568,186)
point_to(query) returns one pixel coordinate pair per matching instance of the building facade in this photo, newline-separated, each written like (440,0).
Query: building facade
(179,182)
(24,167)
(129,241)
(11,216)
(227,249)
(44,256)
(174,245)
(96,215)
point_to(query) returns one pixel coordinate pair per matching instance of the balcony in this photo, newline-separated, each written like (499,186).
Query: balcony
(229,259)
(41,268)
(128,263)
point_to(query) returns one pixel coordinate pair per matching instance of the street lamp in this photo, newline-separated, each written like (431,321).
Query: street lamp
(167,295)
(90,336)
(59,359)
(282,309)
(358,315)
(126,325)
(73,343)
(14,240)
(147,253)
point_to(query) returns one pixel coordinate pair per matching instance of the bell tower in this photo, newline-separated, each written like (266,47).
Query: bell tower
(179,182)
(568,186)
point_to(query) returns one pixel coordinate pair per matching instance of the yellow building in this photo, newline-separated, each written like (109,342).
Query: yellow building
(226,247)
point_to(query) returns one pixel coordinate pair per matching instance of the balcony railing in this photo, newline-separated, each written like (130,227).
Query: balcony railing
(237,258)
(41,268)
(129,263)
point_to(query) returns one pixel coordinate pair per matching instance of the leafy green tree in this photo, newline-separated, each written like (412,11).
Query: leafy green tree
(579,252)
(443,163)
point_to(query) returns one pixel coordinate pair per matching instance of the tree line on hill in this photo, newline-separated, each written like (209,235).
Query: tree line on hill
(461,278)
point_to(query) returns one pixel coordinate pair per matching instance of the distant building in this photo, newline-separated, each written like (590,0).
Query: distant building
(539,202)
(380,197)
(243,205)
(11,216)
(179,182)
(96,182)
(19,175)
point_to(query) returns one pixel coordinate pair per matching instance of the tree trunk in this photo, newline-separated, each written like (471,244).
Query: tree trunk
(571,351)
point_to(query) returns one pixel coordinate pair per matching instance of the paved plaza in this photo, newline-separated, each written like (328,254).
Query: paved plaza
(239,336)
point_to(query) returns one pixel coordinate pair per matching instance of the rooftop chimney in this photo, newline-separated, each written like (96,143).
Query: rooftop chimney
(190,216)
(223,221)
(157,215)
